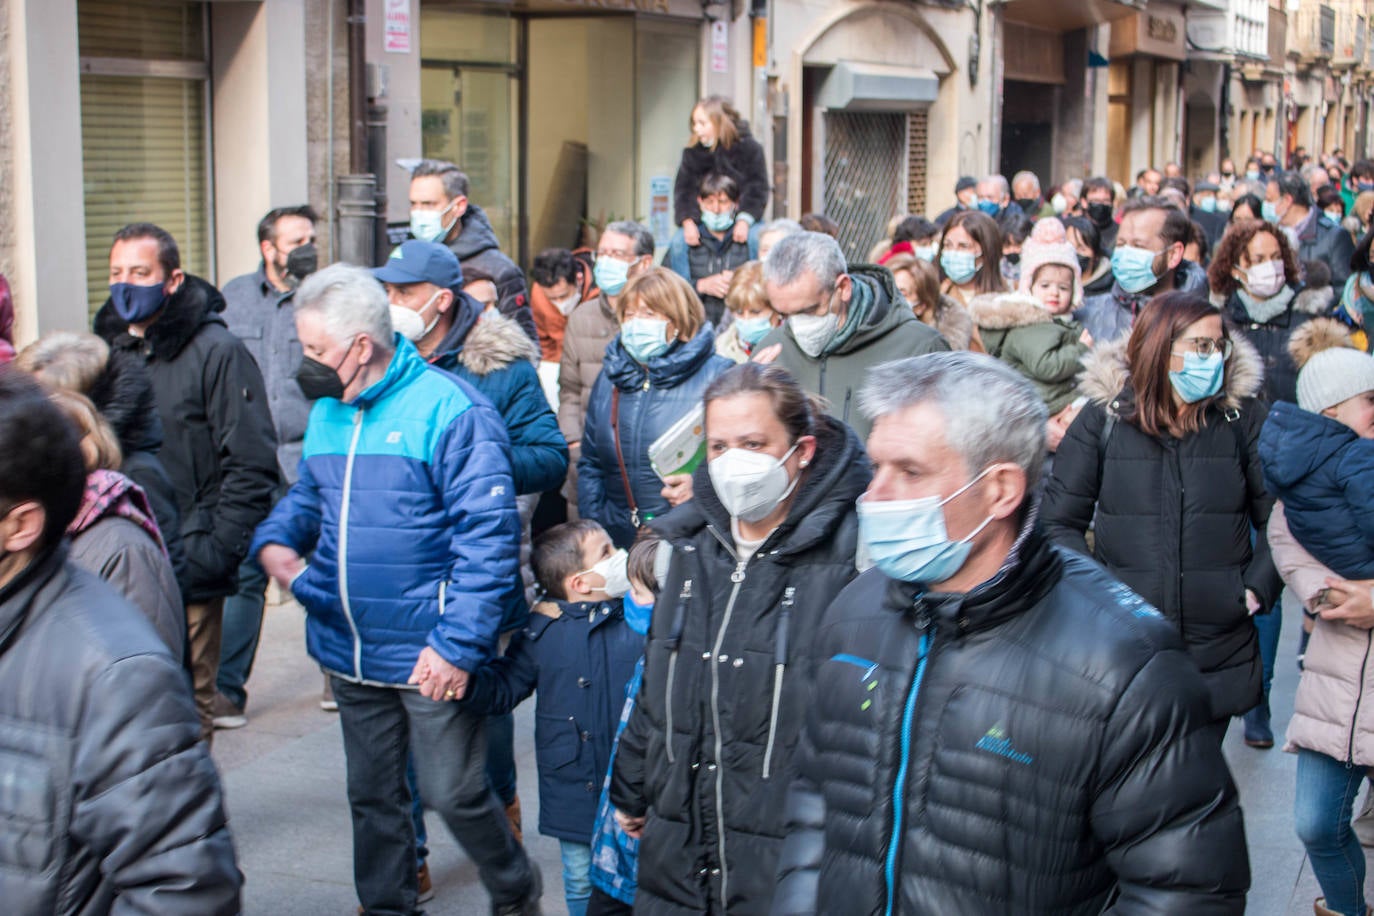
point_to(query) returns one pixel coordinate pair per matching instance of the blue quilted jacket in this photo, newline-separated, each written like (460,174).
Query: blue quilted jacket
(405,509)
(1324,474)
(652,398)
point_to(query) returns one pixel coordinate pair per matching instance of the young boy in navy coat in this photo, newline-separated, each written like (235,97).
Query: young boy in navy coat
(578,653)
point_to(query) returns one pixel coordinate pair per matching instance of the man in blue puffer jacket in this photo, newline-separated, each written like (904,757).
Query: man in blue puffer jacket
(406,507)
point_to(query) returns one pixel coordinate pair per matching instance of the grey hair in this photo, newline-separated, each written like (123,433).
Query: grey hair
(1000,181)
(350,301)
(455,182)
(643,238)
(1074,186)
(991,412)
(1026,176)
(784,227)
(805,252)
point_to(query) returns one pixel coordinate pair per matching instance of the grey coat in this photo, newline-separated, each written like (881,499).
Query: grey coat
(111,802)
(125,556)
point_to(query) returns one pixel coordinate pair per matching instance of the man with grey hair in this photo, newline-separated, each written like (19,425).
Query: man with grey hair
(771,233)
(441,212)
(839,321)
(1032,733)
(406,508)
(994,195)
(1025,190)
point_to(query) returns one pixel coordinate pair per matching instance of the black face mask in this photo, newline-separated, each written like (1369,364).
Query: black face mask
(318,380)
(303,261)
(1029,205)
(1013,258)
(1085,264)
(1100,214)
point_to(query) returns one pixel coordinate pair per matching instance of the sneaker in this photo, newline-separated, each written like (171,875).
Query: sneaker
(224,714)
(425,886)
(327,701)
(527,905)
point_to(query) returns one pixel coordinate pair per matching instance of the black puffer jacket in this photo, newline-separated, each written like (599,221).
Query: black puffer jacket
(1173,517)
(1032,747)
(1271,338)
(709,745)
(744,161)
(220,449)
(111,802)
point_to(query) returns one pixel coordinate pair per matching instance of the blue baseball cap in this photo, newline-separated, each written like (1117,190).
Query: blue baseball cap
(415,261)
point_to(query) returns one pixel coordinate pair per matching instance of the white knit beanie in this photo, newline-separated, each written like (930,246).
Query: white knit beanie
(1332,376)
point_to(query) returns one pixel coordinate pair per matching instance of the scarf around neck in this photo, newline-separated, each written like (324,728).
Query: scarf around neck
(1263,311)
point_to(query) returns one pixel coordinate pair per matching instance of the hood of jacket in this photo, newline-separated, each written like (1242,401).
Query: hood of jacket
(110,493)
(1105,373)
(838,474)
(195,304)
(679,363)
(123,393)
(1296,442)
(871,312)
(481,343)
(477,235)
(1316,335)
(1002,311)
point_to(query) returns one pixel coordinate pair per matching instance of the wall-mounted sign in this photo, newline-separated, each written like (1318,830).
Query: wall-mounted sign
(396,29)
(720,46)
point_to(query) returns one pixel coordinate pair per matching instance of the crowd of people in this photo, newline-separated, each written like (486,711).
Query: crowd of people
(931,584)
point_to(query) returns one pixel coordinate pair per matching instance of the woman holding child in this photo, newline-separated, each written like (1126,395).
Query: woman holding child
(768,541)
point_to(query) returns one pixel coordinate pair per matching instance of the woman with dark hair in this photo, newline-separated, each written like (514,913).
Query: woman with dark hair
(721,144)
(1357,297)
(970,257)
(703,766)
(1162,462)
(1247,206)
(1015,227)
(1329,202)
(919,283)
(1256,277)
(1093,261)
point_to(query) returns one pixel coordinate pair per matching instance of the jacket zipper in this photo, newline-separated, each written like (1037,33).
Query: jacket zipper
(674,643)
(1354,719)
(779,672)
(343,544)
(899,784)
(737,577)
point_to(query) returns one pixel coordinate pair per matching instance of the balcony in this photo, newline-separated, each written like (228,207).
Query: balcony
(1349,50)
(1312,33)
(1238,29)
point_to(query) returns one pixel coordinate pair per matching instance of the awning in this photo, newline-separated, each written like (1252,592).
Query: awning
(853,86)
(1068,15)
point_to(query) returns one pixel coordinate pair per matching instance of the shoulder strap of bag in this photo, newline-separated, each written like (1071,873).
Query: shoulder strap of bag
(619,457)
(1108,426)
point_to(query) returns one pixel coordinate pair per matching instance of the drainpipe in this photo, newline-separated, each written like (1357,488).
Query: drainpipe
(357,86)
(356,193)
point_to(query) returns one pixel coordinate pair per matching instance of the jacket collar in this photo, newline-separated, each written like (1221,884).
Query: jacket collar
(19,596)
(1106,379)
(477,235)
(677,365)
(481,343)
(1002,311)
(194,305)
(545,612)
(406,363)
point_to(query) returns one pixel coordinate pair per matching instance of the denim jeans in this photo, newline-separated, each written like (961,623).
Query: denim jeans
(1268,627)
(1325,796)
(380,726)
(577,875)
(242,626)
(501,756)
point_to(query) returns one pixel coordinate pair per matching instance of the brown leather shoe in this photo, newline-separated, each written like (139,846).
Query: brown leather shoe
(513,815)
(424,885)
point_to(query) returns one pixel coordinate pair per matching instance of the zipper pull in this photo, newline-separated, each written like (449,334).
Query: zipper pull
(738,575)
(923,615)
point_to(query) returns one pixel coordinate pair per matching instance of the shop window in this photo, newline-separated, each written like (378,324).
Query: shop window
(144,133)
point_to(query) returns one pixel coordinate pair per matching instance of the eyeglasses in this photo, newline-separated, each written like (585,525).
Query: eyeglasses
(1206,346)
(618,255)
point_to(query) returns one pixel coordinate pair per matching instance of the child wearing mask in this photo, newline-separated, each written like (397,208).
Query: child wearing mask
(578,652)
(710,265)
(1032,329)
(752,316)
(615,854)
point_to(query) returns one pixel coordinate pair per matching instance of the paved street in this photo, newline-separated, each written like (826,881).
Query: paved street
(285,783)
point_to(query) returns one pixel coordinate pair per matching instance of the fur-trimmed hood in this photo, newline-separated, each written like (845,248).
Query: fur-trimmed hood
(494,343)
(1106,375)
(1000,311)
(1315,335)
(1315,300)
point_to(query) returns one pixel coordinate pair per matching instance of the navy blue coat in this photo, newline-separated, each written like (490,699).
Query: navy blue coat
(579,657)
(1324,474)
(652,398)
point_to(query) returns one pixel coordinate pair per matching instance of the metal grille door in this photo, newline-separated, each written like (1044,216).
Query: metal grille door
(865,176)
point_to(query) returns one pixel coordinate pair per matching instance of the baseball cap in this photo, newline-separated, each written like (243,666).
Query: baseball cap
(414,261)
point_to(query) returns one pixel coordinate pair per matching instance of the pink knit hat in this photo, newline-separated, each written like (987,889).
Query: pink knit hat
(1049,244)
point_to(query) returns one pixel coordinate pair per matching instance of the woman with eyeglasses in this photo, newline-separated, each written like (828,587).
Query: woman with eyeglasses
(1162,462)
(1255,277)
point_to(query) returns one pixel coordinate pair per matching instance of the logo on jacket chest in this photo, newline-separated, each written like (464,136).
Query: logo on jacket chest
(997,741)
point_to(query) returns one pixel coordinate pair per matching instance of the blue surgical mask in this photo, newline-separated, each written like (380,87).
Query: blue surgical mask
(611,274)
(1207,204)
(1251,175)
(428,225)
(717,222)
(959,266)
(1134,268)
(637,615)
(989,207)
(135,303)
(1364,185)
(644,338)
(752,330)
(907,539)
(1268,212)
(925,252)
(1200,377)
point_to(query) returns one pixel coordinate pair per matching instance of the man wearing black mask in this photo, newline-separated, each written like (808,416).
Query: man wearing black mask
(1098,197)
(259,309)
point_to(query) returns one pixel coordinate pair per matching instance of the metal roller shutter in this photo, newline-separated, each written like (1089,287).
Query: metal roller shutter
(865,176)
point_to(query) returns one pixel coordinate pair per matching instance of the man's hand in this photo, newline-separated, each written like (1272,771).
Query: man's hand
(438,680)
(1252,603)
(690,233)
(1349,602)
(1085,338)
(741,233)
(281,563)
(677,489)
(715,285)
(766,355)
(1054,434)
(633,826)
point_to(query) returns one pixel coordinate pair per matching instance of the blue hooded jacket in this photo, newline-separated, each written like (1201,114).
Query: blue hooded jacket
(652,398)
(1324,474)
(405,508)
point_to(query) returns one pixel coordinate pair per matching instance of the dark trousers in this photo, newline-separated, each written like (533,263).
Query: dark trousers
(379,725)
(603,904)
